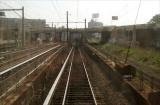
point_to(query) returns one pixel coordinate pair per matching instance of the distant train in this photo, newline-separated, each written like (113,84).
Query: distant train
(76,39)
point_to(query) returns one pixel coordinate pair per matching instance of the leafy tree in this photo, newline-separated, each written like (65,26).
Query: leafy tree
(155,20)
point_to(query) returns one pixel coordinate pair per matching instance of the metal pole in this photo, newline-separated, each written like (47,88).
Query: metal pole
(55,36)
(67,28)
(132,42)
(84,37)
(52,32)
(85,24)
(7,35)
(23,33)
(134,36)
(52,25)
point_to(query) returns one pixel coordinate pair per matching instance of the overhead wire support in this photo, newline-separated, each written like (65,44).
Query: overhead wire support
(85,27)
(23,33)
(67,27)
(68,22)
(10,9)
(26,16)
(133,41)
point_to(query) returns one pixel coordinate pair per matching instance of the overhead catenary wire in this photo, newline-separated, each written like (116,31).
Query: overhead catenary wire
(11,7)
(60,9)
(129,11)
(122,10)
(16,11)
(55,8)
(77,11)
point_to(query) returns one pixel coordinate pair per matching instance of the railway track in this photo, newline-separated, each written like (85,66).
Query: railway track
(6,47)
(76,80)
(13,58)
(13,75)
(19,51)
(72,86)
(23,50)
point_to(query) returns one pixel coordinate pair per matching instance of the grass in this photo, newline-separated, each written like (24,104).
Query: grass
(150,57)
(93,40)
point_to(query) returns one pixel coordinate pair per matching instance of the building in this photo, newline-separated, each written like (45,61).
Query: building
(95,24)
(145,35)
(11,29)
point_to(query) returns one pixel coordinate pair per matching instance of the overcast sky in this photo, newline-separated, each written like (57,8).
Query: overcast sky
(55,10)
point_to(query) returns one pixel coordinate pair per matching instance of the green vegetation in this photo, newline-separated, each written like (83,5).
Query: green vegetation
(150,57)
(93,40)
(155,20)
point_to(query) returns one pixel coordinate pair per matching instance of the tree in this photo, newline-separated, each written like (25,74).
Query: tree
(155,21)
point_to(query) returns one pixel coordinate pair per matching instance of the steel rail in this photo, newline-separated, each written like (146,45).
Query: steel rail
(30,52)
(68,79)
(94,98)
(52,90)
(14,67)
(23,50)
(22,79)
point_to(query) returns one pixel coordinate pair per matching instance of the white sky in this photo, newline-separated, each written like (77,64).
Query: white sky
(55,10)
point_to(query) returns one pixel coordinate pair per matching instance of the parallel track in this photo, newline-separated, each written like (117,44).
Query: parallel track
(12,76)
(13,58)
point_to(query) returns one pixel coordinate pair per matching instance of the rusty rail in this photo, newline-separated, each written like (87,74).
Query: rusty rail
(52,90)
(74,77)
(19,71)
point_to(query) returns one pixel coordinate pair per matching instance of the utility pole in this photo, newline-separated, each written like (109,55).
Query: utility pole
(55,33)
(85,26)
(52,25)
(132,43)
(133,40)
(52,31)
(67,27)
(134,36)
(23,33)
